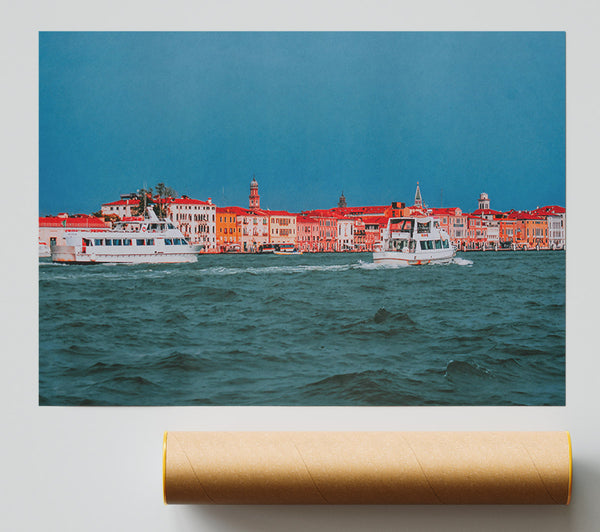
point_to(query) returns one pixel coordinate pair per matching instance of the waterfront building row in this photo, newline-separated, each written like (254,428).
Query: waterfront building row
(342,228)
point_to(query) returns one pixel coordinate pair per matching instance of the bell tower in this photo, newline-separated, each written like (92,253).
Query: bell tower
(254,197)
(484,201)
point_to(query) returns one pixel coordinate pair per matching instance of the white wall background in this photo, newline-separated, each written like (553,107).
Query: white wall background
(98,469)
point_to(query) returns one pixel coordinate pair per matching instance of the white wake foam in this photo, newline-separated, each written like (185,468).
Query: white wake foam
(462,262)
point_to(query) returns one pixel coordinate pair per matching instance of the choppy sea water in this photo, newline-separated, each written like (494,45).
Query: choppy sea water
(315,329)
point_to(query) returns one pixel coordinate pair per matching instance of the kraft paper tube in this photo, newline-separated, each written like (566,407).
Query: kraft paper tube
(367,467)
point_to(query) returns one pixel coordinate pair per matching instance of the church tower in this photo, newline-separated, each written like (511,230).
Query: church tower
(254,197)
(484,201)
(342,202)
(418,200)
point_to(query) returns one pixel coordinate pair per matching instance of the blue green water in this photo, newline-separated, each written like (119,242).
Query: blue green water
(315,329)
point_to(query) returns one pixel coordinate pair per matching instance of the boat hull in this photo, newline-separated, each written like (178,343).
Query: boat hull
(442,256)
(76,255)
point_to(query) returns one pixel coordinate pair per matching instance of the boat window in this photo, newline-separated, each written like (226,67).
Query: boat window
(140,242)
(150,241)
(438,244)
(153,227)
(423,227)
(407,226)
(117,242)
(423,244)
(170,226)
(127,242)
(176,241)
(108,242)
(168,242)
(97,242)
(183,242)
(446,243)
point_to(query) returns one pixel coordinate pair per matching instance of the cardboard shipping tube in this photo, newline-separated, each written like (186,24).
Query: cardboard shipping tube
(367,467)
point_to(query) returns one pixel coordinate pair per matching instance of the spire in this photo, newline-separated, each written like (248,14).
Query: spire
(342,201)
(418,200)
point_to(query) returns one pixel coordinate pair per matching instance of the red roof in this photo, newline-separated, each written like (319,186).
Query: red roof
(178,201)
(122,202)
(321,213)
(240,211)
(81,220)
(445,211)
(488,212)
(549,210)
(358,211)
(523,215)
(278,213)
(380,220)
(307,220)
(187,201)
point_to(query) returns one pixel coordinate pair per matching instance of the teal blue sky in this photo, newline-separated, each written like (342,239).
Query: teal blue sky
(310,114)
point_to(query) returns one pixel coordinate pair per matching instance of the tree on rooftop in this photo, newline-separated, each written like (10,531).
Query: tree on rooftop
(163,192)
(145,201)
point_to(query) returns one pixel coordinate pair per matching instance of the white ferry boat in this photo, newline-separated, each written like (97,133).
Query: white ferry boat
(133,241)
(414,240)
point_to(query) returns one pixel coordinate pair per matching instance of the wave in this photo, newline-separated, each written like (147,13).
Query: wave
(181,362)
(136,380)
(460,369)
(383,315)
(369,387)
(346,379)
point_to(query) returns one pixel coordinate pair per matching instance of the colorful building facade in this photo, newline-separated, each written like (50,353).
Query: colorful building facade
(308,233)
(229,231)
(282,227)
(196,219)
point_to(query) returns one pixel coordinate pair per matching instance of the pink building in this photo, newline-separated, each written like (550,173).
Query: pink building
(327,237)
(308,233)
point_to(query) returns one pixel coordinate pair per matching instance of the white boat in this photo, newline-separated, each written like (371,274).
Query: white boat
(147,240)
(414,240)
(287,249)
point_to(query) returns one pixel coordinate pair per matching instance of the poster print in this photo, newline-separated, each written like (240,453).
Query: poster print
(302,218)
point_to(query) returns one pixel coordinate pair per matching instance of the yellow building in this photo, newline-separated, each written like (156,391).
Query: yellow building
(228,229)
